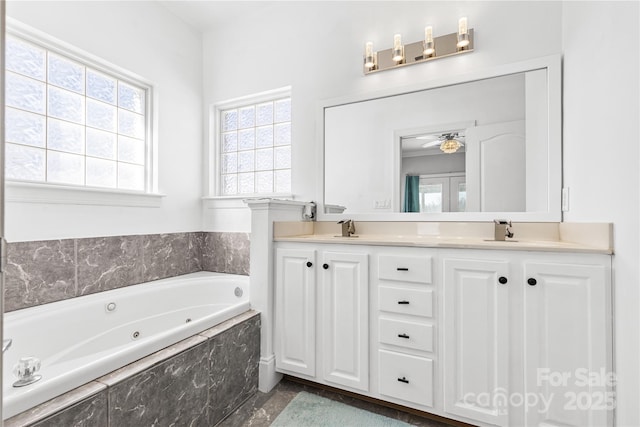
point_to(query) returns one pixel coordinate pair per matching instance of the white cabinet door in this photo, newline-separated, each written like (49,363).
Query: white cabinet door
(345,318)
(476,344)
(295,312)
(567,330)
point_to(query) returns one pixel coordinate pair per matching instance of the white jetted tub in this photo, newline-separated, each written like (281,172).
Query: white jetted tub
(80,339)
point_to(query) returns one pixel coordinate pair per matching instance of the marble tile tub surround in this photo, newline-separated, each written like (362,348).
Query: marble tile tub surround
(46,271)
(196,382)
(563,235)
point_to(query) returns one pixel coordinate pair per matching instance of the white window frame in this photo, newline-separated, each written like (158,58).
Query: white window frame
(214,154)
(46,192)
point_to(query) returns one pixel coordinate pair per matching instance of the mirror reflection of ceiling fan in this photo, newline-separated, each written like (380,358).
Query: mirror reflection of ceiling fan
(449,142)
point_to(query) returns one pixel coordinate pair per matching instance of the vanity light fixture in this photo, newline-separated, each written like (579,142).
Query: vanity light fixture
(369,56)
(429,46)
(400,55)
(398,49)
(463,33)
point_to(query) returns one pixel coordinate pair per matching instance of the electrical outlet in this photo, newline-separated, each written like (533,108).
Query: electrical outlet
(382,204)
(565,199)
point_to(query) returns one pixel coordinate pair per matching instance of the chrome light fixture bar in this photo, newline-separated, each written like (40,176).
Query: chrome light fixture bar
(429,49)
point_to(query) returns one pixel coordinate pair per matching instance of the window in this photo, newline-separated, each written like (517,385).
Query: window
(255,146)
(72,121)
(443,193)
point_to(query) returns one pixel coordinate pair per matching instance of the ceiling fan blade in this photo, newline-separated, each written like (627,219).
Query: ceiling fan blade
(431,144)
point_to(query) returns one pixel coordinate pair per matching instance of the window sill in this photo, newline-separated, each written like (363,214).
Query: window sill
(238,201)
(23,192)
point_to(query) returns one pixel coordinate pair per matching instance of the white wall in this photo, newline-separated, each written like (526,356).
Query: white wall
(601,137)
(144,38)
(317,47)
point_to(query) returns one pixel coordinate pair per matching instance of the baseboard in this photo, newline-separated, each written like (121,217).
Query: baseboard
(268,377)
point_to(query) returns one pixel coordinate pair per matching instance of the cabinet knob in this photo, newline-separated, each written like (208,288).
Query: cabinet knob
(532,281)
(503,280)
(403,336)
(403,302)
(402,269)
(309,264)
(403,380)
(325,266)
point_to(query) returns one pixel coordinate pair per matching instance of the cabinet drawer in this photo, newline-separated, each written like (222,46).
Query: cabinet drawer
(406,377)
(406,301)
(416,269)
(418,336)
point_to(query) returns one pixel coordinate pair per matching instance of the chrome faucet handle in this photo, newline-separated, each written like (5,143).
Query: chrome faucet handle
(352,227)
(25,370)
(6,344)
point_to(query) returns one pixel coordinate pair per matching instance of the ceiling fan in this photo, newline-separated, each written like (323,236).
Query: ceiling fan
(449,142)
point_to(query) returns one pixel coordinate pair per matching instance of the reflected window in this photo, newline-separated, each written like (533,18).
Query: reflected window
(73,122)
(431,198)
(442,193)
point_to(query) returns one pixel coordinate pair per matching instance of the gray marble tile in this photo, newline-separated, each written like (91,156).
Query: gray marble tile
(39,273)
(228,324)
(197,246)
(172,393)
(106,263)
(169,255)
(226,253)
(233,372)
(91,412)
(51,408)
(128,371)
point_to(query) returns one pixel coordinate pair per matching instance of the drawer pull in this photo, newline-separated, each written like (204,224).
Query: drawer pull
(403,336)
(403,380)
(403,302)
(402,269)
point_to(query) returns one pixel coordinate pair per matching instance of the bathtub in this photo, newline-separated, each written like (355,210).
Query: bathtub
(81,339)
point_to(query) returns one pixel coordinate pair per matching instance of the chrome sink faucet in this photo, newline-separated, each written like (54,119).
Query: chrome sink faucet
(348,227)
(502,229)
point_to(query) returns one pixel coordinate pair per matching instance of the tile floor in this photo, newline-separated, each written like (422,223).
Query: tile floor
(261,409)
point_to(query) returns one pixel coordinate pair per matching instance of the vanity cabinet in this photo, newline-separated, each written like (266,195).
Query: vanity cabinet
(567,342)
(475,354)
(406,326)
(322,315)
(295,314)
(487,337)
(523,334)
(344,309)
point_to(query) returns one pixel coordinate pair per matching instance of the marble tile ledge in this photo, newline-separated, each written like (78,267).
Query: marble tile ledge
(546,237)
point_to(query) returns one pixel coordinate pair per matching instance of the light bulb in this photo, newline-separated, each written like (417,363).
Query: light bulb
(398,51)
(463,32)
(368,55)
(462,25)
(428,41)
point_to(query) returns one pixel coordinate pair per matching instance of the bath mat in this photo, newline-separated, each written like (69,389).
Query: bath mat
(309,410)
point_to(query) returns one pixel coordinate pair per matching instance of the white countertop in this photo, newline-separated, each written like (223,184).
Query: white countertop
(446,242)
